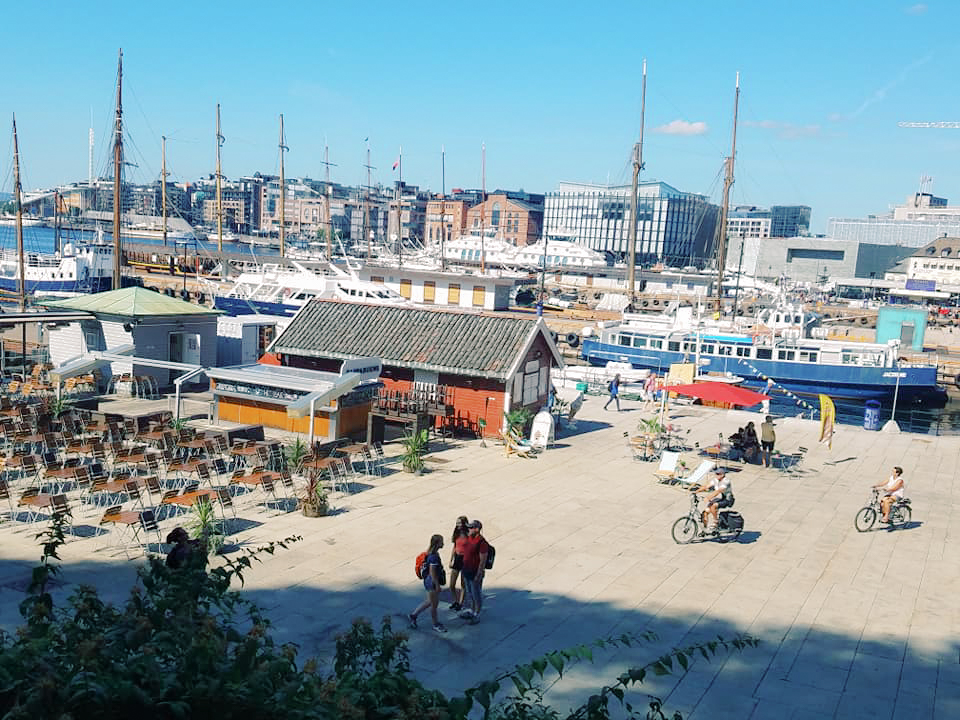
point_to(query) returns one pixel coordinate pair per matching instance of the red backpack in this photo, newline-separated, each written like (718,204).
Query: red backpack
(420,563)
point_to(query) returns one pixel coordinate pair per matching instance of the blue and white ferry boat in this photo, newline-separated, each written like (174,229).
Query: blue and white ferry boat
(80,268)
(777,345)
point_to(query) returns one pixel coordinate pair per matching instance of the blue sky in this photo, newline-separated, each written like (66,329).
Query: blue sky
(552,89)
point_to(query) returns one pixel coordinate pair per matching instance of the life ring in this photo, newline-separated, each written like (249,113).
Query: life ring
(864,321)
(656,302)
(573,339)
(646,303)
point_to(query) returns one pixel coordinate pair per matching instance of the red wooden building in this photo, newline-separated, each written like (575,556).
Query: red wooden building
(488,363)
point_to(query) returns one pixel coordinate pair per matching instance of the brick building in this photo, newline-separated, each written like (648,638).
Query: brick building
(516,221)
(488,364)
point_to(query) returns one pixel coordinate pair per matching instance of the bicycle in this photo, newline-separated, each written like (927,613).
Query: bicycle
(687,528)
(899,516)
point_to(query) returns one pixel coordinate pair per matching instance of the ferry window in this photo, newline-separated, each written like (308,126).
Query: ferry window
(479,296)
(707,349)
(786,354)
(846,358)
(797,319)
(453,294)
(406,287)
(743,351)
(724,350)
(808,356)
(639,342)
(625,340)
(672,346)
(764,353)
(669,284)
(658,344)
(688,346)
(429,291)
(376,278)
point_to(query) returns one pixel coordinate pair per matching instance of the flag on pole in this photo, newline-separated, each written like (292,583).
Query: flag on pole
(828,414)
(396,163)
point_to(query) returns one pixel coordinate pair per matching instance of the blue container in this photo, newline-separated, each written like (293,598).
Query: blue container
(871,415)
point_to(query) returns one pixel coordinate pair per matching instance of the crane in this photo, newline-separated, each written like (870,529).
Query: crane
(929,124)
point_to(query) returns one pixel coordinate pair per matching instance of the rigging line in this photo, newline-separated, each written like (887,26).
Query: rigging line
(787,174)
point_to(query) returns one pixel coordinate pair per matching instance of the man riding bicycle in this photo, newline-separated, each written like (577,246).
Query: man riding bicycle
(892,492)
(721,496)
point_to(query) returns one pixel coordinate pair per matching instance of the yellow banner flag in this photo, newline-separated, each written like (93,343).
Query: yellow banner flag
(828,416)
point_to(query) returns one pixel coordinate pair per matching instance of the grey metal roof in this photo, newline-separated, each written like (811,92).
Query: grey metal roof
(441,341)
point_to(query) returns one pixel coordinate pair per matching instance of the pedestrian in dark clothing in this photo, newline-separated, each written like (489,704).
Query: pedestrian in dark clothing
(613,387)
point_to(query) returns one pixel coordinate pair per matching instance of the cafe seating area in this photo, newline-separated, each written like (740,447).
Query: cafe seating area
(124,483)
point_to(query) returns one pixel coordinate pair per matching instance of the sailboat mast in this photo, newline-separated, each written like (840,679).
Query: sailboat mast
(366,204)
(725,207)
(219,195)
(57,199)
(163,185)
(483,206)
(283,195)
(443,208)
(328,192)
(118,175)
(18,203)
(400,210)
(634,201)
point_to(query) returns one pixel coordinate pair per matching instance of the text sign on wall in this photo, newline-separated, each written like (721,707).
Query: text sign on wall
(924,285)
(368,368)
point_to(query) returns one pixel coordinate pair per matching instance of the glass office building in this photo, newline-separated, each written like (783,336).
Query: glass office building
(673,227)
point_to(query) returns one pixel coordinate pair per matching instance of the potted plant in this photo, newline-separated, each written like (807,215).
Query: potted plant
(294,454)
(314,501)
(414,448)
(519,420)
(206,527)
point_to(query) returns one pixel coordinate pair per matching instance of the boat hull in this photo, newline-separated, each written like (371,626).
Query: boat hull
(87,287)
(837,381)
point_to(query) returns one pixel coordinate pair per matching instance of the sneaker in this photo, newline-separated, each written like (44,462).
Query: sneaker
(456,607)
(439,628)
(412,619)
(473,620)
(466,614)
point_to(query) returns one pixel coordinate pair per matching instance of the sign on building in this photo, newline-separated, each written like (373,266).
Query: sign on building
(924,285)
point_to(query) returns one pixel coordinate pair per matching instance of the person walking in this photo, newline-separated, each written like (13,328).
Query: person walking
(433,582)
(459,541)
(768,438)
(613,387)
(474,565)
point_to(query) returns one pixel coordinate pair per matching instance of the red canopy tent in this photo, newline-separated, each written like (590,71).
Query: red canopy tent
(719,392)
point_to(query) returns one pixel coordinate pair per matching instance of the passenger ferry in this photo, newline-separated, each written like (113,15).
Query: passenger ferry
(84,267)
(777,346)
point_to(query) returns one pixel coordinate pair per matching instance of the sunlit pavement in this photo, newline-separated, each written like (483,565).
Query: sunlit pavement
(851,624)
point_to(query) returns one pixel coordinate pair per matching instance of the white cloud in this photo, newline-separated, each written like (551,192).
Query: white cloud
(785,130)
(682,127)
(918,9)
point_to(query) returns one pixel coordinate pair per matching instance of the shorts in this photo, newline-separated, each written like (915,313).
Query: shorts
(767,446)
(723,502)
(457,562)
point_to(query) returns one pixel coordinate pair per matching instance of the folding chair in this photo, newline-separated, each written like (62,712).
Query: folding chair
(223,496)
(790,463)
(147,524)
(287,480)
(667,470)
(698,475)
(60,508)
(5,495)
(165,506)
(339,481)
(270,489)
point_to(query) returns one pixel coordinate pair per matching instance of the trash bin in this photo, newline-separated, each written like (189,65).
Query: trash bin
(871,415)
(583,387)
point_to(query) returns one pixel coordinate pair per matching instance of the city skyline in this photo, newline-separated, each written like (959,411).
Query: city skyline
(552,92)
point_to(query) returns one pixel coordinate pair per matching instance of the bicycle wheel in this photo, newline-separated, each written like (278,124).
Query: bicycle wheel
(900,515)
(684,530)
(865,519)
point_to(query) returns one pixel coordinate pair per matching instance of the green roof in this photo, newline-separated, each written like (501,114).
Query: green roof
(132,302)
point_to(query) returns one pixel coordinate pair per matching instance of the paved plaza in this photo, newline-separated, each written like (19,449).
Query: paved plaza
(851,624)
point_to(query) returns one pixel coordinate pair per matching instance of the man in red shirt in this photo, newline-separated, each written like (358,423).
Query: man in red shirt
(475,550)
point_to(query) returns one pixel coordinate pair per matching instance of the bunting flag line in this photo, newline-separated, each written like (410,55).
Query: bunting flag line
(799,401)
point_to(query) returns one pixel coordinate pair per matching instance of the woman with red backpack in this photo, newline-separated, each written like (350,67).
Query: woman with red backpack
(429,568)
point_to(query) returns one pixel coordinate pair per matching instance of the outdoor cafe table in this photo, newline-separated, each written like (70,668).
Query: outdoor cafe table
(40,500)
(355,449)
(191,498)
(319,463)
(256,478)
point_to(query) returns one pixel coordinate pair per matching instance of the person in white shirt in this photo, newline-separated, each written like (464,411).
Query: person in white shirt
(892,492)
(721,496)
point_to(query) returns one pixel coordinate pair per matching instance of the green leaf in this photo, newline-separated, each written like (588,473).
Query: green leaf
(557,662)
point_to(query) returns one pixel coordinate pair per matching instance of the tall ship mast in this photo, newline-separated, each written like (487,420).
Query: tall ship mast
(283,195)
(118,175)
(634,200)
(725,206)
(18,202)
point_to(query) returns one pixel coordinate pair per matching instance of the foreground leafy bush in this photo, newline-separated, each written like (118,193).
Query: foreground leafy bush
(184,645)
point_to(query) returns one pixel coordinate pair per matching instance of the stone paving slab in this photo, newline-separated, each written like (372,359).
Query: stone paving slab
(852,625)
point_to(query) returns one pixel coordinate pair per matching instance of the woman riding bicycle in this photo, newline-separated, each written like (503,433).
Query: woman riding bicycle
(721,496)
(892,492)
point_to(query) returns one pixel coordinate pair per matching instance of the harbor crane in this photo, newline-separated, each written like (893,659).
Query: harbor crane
(929,124)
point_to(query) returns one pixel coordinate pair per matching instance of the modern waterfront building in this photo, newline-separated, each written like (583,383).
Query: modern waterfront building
(789,220)
(780,221)
(748,221)
(673,227)
(918,222)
